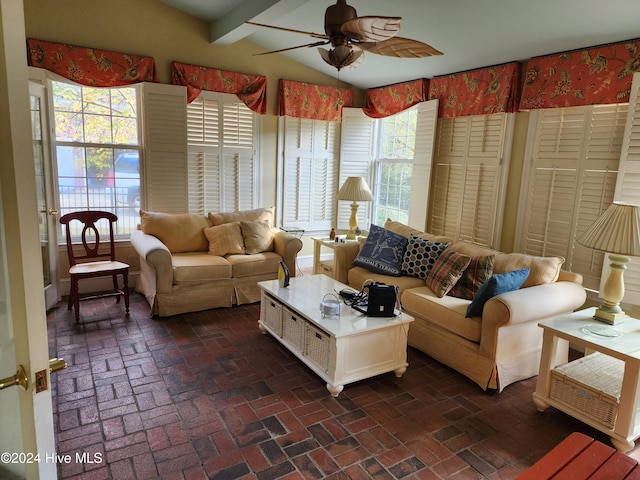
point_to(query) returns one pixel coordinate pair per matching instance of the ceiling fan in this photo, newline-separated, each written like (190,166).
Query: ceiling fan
(350,36)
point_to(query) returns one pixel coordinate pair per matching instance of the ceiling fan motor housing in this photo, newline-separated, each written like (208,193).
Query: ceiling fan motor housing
(334,17)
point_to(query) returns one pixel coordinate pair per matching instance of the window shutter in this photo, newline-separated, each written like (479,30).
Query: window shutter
(204,156)
(574,157)
(423,156)
(469,171)
(356,157)
(628,186)
(309,173)
(165,150)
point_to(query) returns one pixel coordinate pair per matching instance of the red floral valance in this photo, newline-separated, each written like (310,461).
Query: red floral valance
(90,66)
(306,100)
(392,99)
(251,89)
(596,75)
(477,92)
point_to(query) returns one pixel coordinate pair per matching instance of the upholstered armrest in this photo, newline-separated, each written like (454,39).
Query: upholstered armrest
(343,256)
(155,261)
(287,245)
(531,304)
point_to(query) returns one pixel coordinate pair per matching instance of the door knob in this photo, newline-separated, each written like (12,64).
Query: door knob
(20,378)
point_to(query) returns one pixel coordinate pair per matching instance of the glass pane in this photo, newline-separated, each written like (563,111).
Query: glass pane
(97,129)
(96,100)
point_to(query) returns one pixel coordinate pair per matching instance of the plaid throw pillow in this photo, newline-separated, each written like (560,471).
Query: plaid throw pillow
(478,272)
(420,256)
(446,271)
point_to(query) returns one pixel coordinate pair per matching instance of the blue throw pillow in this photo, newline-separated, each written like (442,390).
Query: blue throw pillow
(382,252)
(498,283)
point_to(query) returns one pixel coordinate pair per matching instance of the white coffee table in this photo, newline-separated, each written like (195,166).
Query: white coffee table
(339,349)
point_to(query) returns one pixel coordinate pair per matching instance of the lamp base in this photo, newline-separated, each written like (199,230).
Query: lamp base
(610,317)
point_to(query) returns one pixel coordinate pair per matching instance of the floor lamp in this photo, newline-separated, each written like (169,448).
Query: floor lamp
(617,232)
(354,189)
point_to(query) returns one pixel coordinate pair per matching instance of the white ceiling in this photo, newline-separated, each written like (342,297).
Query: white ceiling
(470,33)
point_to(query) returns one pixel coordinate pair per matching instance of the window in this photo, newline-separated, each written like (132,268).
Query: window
(98,151)
(394,167)
(221,137)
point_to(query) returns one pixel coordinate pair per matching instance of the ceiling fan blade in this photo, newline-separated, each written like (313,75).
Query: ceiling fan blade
(400,47)
(292,30)
(314,44)
(371,29)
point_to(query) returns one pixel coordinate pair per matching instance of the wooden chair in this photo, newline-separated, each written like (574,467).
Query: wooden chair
(95,256)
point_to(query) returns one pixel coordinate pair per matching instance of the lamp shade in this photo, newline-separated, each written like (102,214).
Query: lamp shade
(356,190)
(617,231)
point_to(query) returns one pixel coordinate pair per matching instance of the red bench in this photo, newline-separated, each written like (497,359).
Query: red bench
(580,457)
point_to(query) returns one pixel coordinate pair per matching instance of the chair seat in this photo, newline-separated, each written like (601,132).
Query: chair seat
(102,268)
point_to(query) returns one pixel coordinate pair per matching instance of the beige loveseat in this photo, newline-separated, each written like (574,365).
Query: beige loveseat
(501,345)
(191,262)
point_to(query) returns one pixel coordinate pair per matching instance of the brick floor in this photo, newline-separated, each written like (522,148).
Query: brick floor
(207,396)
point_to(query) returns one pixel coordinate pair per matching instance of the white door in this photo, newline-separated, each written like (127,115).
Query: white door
(26,431)
(47,212)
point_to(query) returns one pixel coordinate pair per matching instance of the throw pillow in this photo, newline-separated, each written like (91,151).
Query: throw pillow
(446,271)
(258,237)
(498,283)
(255,215)
(382,252)
(473,277)
(224,239)
(420,256)
(180,232)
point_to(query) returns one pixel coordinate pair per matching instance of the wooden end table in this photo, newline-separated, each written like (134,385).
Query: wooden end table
(619,350)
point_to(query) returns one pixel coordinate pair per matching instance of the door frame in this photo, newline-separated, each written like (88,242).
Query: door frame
(22,240)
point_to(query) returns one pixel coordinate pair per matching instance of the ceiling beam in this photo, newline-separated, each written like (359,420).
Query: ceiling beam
(231,28)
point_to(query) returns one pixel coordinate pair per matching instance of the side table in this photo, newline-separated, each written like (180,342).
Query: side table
(600,389)
(324,266)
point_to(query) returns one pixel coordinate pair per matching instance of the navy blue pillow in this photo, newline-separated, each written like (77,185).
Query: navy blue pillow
(498,283)
(382,252)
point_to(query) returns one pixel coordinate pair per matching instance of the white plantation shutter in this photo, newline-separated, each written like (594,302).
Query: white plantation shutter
(628,185)
(356,160)
(469,177)
(310,167)
(221,133)
(574,155)
(165,149)
(423,157)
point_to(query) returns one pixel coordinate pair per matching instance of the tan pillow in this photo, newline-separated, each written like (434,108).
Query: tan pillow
(407,231)
(180,232)
(224,239)
(258,237)
(543,269)
(257,215)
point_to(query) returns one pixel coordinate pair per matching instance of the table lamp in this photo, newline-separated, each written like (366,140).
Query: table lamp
(617,232)
(356,190)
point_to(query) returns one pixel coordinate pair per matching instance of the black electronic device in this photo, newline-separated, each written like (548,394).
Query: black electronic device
(377,300)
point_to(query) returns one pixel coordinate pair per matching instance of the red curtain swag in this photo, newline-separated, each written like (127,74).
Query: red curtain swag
(385,101)
(251,89)
(477,92)
(305,100)
(90,66)
(597,75)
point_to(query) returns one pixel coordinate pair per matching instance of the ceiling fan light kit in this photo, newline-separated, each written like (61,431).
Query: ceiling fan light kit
(350,36)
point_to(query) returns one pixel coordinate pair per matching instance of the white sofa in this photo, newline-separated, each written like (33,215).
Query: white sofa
(191,262)
(496,348)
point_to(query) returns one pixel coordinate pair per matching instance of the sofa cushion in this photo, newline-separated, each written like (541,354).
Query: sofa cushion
(180,232)
(497,284)
(258,237)
(447,311)
(198,268)
(255,215)
(420,256)
(407,231)
(543,269)
(382,252)
(256,264)
(358,276)
(446,271)
(477,273)
(224,239)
